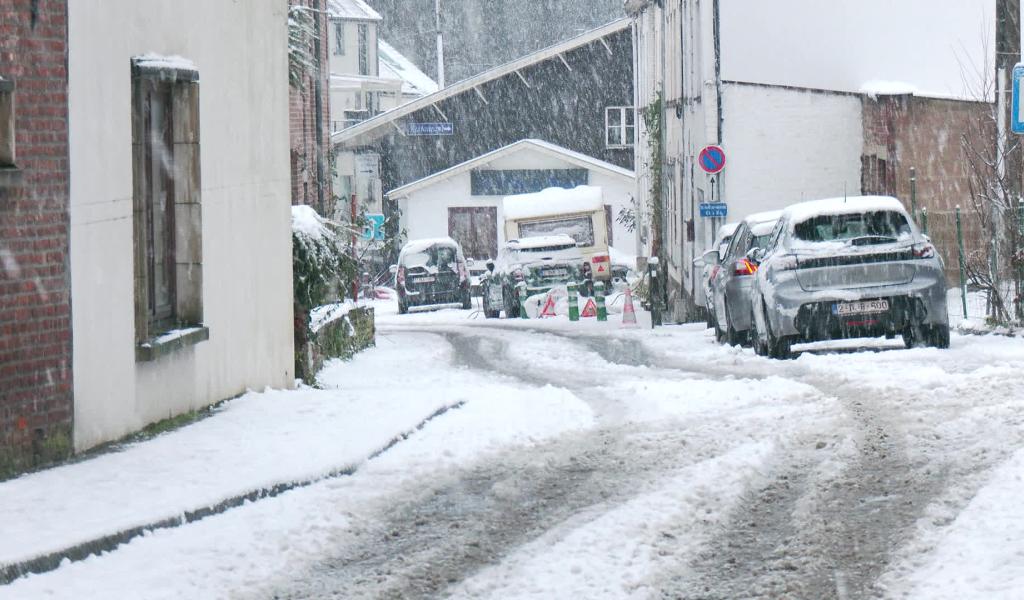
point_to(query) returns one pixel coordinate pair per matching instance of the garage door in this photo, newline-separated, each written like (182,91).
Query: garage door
(476,228)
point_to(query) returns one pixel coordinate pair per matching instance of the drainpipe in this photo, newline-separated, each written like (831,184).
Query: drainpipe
(440,43)
(319,112)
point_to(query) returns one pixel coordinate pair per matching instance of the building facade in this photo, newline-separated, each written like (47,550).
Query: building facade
(36,375)
(819,124)
(577,94)
(309,102)
(465,201)
(180,208)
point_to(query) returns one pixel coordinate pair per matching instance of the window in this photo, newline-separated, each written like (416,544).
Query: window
(580,229)
(875,176)
(619,126)
(339,38)
(364,50)
(6,123)
(166,200)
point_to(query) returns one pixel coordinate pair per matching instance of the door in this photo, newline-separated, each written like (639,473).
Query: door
(476,229)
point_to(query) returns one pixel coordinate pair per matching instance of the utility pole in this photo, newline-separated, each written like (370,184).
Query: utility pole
(440,43)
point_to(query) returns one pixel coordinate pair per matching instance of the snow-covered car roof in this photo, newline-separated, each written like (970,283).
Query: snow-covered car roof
(553,201)
(725,231)
(763,217)
(541,241)
(423,244)
(840,206)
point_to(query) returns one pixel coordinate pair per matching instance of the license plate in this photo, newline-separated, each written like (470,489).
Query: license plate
(424,279)
(843,309)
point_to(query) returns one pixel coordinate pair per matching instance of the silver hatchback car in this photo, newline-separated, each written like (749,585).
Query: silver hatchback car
(847,268)
(730,285)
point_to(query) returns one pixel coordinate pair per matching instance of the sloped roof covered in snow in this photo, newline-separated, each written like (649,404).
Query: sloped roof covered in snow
(393,65)
(553,150)
(356,10)
(385,119)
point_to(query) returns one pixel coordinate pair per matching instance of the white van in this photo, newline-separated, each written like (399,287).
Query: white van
(578,213)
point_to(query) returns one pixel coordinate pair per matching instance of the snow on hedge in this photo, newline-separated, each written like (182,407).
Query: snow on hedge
(553,201)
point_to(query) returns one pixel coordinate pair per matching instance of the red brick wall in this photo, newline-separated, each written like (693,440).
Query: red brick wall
(304,145)
(926,134)
(36,407)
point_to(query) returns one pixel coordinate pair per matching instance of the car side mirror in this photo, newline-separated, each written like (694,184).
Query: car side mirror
(708,258)
(393,269)
(755,255)
(490,266)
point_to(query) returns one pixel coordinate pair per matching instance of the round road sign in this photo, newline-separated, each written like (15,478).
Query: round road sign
(712,159)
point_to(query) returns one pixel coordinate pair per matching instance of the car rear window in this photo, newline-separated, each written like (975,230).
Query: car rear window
(580,229)
(442,257)
(852,226)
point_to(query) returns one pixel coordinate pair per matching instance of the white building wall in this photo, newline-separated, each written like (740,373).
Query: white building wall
(240,51)
(787,145)
(425,211)
(938,46)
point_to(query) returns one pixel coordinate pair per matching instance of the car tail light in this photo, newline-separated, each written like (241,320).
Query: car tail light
(923,250)
(401,276)
(744,267)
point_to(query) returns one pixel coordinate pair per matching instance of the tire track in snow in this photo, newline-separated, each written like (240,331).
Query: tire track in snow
(444,534)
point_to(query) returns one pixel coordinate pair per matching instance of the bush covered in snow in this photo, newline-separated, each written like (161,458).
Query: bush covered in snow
(320,266)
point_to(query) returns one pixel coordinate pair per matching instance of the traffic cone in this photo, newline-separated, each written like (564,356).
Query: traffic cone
(628,312)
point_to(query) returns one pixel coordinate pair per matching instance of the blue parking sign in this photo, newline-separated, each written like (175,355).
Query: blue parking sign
(1017,118)
(713,209)
(374,228)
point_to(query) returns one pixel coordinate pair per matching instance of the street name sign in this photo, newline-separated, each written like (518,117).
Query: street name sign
(429,129)
(713,209)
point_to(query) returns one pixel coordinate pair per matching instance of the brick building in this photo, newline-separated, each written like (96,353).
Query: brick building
(36,409)
(309,103)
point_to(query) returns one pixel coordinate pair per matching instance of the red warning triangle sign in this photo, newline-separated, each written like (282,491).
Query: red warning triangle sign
(549,307)
(590,309)
(600,268)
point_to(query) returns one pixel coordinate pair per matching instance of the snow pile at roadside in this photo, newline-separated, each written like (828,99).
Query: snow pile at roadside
(253,442)
(981,554)
(252,547)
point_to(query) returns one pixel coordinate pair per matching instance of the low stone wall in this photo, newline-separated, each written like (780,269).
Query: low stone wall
(341,338)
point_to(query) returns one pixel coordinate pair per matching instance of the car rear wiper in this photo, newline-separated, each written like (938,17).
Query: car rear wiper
(867,240)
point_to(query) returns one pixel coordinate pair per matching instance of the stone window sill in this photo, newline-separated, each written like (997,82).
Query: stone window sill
(10,176)
(169,342)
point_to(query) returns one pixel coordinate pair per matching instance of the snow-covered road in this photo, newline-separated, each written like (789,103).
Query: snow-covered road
(597,462)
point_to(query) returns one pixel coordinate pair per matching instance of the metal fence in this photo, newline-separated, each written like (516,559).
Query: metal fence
(982,267)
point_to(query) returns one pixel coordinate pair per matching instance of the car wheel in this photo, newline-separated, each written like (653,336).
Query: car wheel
(755,335)
(933,336)
(778,347)
(913,335)
(733,337)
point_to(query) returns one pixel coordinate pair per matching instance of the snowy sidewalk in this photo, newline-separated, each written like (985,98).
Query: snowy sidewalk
(255,445)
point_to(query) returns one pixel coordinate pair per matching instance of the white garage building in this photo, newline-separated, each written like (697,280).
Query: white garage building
(464,201)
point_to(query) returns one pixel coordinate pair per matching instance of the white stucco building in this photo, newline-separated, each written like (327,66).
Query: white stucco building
(180,208)
(368,76)
(465,201)
(786,88)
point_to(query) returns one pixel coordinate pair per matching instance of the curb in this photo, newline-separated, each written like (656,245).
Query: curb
(107,543)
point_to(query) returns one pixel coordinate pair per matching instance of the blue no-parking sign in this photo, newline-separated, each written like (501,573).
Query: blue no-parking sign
(712,159)
(1017,125)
